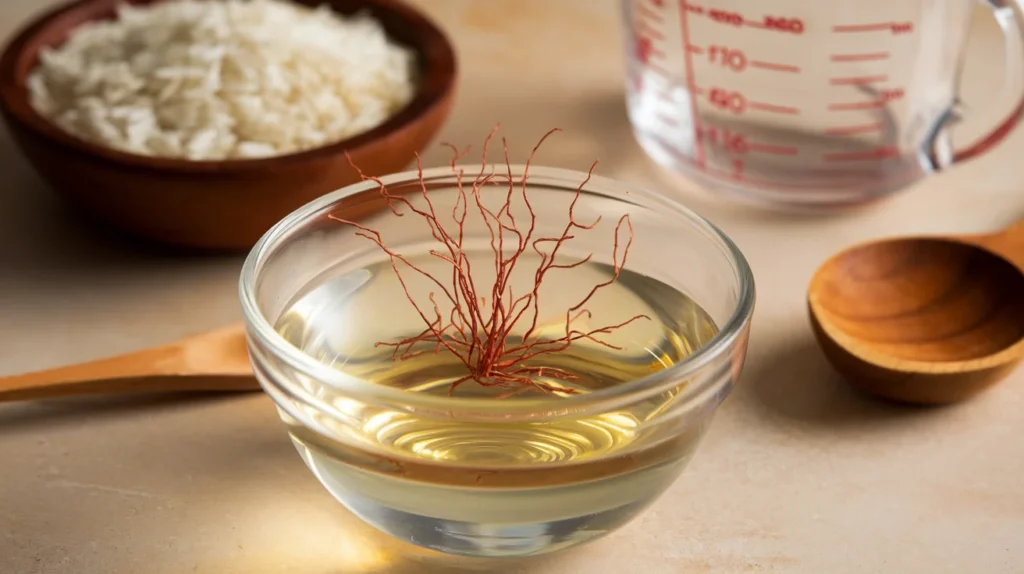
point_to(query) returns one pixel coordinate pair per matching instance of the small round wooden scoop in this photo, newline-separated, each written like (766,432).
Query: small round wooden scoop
(213,361)
(928,320)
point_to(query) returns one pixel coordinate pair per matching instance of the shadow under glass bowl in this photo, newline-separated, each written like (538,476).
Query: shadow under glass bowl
(472,475)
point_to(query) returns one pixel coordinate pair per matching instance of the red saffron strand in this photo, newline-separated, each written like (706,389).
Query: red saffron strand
(478,327)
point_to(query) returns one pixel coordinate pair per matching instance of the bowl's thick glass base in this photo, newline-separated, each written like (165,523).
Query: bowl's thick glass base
(484,539)
(491,522)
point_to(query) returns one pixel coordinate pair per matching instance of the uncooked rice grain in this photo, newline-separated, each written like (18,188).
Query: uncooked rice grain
(222,79)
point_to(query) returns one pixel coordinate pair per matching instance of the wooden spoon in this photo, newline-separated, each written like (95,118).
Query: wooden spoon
(213,361)
(927,320)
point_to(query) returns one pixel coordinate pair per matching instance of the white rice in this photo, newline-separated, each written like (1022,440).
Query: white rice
(222,79)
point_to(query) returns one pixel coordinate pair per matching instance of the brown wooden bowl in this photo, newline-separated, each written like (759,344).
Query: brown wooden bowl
(217,205)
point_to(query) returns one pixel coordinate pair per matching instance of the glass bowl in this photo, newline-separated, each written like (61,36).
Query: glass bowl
(473,473)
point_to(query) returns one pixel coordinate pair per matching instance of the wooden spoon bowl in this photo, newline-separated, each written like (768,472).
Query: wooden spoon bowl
(217,205)
(923,320)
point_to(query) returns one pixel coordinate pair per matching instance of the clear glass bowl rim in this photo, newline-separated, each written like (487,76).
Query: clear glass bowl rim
(263,333)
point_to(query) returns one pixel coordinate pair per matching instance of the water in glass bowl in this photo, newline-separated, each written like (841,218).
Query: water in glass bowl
(497,487)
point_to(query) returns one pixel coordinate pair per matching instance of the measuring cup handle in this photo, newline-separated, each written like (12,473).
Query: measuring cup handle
(1009,15)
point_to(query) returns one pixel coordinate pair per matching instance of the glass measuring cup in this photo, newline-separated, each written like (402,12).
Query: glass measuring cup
(807,104)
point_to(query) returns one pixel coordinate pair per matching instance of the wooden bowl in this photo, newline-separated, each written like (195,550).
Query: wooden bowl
(216,205)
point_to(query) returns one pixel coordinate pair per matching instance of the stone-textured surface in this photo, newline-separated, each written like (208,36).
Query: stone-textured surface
(797,475)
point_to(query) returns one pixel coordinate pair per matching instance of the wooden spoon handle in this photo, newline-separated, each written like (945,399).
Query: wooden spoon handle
(214,361)
(11,389)
(1009,243)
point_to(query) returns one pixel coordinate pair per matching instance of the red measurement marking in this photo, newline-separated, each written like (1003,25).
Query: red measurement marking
(643,49)
(699,10)
(773,149)
(658,3)
(778,24)
(842,107)
(692,83)
(774,108)
(737,143)
(726,138)
(652,33)
(851,130)
(728,100)
(727,57)
(645,29)
(887,96)
(858,80)
(894,27)
(775,67)
(876,27)
(865,57)
(893,94)
(725,17)
(648,13)
(697,90)
(877,153)
(695,49)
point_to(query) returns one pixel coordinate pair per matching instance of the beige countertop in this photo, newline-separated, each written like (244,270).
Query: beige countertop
(797,474)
